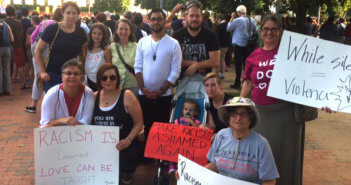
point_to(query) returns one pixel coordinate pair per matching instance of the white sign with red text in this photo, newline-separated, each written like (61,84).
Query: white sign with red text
(191,173)
(76,155)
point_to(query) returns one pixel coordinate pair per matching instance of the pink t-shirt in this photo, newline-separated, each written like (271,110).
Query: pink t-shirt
(259,68)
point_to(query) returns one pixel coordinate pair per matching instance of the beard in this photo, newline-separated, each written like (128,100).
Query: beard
(194,28)
(157,30)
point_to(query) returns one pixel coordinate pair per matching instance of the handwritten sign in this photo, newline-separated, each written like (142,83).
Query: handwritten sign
(312,72)
(166,141)
(191,173)
(78,155)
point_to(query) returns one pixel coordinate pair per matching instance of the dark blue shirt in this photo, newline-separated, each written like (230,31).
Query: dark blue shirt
(65,47)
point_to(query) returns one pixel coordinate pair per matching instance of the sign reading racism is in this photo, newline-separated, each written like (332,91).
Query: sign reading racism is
(166,141)
(312,72)
(78,155)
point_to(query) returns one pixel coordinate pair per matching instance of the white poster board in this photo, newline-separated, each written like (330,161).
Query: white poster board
(191,173)
(312,72)
(78,155)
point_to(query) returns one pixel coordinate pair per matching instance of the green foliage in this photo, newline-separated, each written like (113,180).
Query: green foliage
(119,6)
(342,8)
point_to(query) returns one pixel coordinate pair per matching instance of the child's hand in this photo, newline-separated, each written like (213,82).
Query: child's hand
(176,174)
(190,121)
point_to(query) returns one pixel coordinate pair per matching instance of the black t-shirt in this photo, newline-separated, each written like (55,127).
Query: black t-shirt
(16,28)
(214,112)
(197,48)
(65,47)
(177,24)
(25,25)
(223,35)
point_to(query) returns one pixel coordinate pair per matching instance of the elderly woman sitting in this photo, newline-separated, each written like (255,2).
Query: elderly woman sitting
(238,151)
(68,103)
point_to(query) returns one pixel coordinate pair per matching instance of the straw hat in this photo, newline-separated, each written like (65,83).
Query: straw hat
(223,111)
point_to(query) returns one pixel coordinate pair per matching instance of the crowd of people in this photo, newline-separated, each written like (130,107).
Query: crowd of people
(113,71)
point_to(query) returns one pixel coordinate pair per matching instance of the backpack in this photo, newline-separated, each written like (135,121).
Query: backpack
(4,34)
(38,38)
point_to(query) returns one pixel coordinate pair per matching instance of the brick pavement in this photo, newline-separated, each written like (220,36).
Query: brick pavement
(327,150)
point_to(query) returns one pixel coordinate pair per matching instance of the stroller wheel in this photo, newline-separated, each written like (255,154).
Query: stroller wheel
(164,180)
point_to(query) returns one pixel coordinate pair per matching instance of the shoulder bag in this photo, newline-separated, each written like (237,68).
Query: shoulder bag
(128,67)
(47,57)
(253,37)
(305,113)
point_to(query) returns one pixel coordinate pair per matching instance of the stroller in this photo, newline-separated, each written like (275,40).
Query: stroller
(188,87)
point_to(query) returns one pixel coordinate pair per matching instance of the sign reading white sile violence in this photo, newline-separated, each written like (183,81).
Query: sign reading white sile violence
(312,72)
(78,155)
(191,173)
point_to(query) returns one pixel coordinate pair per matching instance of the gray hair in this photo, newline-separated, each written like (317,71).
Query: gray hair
(241,8)
(73,63)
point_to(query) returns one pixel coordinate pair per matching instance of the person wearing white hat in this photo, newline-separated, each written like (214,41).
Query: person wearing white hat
(238,151)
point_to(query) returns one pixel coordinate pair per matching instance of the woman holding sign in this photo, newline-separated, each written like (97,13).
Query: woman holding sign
(68,103)
(117,107)
(278,124)
(238,151)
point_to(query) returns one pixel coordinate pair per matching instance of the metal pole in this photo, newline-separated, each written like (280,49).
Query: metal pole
(319,15)
(161,4)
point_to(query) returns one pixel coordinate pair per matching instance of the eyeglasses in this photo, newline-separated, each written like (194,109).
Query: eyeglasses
(111,77)
(241,114)
(69,73)
(266,29)
(158,19)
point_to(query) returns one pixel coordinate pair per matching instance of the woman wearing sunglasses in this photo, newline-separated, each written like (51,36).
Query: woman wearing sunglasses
(68,103)
(117,107)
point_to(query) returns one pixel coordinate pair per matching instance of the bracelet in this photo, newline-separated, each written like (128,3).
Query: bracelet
(129,139)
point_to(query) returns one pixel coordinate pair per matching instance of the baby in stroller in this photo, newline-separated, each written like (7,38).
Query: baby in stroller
(189,116)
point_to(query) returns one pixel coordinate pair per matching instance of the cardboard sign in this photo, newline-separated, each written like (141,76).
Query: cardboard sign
(312,72)
(191,173)
(78,155)
(166,141)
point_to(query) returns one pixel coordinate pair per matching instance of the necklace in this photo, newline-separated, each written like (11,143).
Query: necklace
(108,99)
(154,55)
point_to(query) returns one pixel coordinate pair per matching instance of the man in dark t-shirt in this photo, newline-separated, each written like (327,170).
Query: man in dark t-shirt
(200,46)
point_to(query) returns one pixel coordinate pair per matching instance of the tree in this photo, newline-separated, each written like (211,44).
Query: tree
(111,5)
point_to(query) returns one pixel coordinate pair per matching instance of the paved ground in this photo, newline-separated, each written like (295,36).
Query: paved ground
(327,149)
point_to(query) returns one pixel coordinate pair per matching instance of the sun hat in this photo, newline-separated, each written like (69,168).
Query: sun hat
(223,111)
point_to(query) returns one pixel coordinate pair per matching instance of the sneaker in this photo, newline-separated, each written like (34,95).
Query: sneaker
(31,109)
(126,178)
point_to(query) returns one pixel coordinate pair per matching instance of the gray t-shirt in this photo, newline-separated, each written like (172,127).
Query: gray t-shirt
(255,161)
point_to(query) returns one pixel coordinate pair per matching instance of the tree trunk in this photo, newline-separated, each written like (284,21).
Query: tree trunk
(301,9)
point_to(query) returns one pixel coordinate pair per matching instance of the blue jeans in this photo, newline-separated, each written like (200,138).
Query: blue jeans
(5,70)
(54,80)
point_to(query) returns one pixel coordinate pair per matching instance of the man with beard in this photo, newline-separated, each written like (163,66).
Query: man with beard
(157,67)
(200,46)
